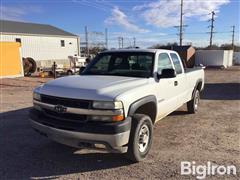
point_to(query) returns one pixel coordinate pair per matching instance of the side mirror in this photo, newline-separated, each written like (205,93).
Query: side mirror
(81,69)
(166,73)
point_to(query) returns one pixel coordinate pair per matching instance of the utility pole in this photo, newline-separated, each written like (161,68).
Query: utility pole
(181,25)
(212,27)
(86,38)
(120,42)
(233,33)
(106,38)
(134,42)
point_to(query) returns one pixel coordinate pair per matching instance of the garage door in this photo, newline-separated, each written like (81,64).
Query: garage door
(10,60)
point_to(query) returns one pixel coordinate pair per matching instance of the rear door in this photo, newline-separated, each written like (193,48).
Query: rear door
(166,89)
(181,80)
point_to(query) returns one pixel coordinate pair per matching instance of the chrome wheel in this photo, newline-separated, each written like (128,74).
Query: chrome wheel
(196,100)
(143,138)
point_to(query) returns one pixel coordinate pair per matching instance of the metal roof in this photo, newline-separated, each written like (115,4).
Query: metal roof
(15,27)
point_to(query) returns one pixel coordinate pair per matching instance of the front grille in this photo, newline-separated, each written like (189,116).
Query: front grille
(66,124)
(75,103)
(66,116)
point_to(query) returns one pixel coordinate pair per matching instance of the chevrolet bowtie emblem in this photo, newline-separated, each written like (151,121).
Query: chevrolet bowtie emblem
(60,109)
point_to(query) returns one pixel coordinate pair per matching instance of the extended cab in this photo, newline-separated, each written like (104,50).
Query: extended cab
(115,101)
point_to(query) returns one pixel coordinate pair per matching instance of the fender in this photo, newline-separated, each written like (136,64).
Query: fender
(198,81)
(135,105)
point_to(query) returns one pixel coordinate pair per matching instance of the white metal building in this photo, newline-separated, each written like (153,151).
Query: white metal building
(44,43)
(236,58)
(223,58)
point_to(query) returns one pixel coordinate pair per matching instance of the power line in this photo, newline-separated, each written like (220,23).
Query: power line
(212,27)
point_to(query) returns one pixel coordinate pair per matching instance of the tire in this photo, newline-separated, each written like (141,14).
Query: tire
(50,73)
(69,73)
(192,106)
(29,66)
(140,137)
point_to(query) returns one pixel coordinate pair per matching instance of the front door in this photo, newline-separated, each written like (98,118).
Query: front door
(166,88)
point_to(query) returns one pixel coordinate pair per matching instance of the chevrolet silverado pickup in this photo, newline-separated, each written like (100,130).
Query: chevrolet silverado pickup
(115,101)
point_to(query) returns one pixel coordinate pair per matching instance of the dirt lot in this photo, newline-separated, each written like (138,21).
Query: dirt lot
(213,134)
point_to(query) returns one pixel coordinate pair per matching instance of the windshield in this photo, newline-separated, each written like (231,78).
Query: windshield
(132,64)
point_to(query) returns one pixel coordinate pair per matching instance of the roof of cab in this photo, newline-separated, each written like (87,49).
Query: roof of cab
(136,50)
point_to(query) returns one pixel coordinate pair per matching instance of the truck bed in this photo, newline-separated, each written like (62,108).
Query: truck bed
(187,70)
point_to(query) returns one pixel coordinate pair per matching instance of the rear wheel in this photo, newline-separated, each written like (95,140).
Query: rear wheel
(69,72)
(192,105)
(140,138)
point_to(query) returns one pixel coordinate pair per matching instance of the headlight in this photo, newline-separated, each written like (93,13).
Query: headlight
(107,105)
(36,96)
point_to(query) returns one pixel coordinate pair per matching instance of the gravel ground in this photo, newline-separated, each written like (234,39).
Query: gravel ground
(213,134)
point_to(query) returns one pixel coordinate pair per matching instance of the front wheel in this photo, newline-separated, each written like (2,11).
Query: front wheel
(192,105)
(140,137)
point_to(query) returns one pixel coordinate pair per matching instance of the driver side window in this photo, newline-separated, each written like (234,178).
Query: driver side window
(164,62)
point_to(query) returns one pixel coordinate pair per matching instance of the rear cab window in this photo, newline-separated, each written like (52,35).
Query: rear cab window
(177,63)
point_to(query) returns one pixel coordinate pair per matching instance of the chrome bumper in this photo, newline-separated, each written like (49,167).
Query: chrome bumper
(112,142)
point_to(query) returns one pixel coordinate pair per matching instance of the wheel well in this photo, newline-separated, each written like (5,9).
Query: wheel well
(148,109)
(199,85)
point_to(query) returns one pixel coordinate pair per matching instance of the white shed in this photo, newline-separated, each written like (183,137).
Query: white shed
(44,43)
(236,58)
(223,58)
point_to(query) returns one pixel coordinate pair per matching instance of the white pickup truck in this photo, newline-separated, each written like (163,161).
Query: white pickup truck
(115,101)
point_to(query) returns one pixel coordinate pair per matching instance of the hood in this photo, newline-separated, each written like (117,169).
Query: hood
(91,87)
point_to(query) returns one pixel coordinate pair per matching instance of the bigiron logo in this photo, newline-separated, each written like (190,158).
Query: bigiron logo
(209,169)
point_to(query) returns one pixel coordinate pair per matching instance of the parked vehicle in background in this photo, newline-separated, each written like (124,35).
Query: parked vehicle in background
(116,100)
(75,63)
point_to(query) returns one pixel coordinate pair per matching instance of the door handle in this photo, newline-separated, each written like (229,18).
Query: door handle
(175,83)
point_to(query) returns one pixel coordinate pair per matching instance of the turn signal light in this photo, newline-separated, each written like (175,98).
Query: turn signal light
(118,118)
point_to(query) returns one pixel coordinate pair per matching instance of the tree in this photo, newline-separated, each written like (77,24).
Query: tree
(229,47)
(96,50)
(213,47)
(164,46)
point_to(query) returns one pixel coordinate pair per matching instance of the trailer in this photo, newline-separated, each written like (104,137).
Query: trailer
(75,63)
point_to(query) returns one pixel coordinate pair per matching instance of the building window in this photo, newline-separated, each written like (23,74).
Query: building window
(62,43)
(18,40)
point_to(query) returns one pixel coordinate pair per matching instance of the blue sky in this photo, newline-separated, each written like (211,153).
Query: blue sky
(151,22)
